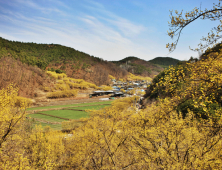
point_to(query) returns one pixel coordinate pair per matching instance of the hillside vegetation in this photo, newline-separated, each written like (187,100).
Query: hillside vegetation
(25,65)
(139,67)
(196,86)
(59,58)
(68,87)
(165,61)
(27,78)
(180,128)
(42,55)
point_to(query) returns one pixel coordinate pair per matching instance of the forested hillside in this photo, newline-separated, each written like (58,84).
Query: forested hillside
(164,61)
(195,85)
(61,59)
(138,66)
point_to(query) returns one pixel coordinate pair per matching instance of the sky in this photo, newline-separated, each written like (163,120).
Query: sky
(108,29)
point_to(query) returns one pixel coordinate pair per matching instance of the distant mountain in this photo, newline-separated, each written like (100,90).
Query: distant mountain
(130,58)
(164,61)
(138,66)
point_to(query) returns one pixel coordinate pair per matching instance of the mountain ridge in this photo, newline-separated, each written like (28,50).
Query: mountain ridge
(19,58)
(136,65)
(164,61)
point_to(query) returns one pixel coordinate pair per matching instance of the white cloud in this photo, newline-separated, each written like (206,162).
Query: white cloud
(128,28)
(35,6)
(102,31)
(104,34)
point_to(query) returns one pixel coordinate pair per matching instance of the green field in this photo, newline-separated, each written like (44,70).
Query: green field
(97,107)
(70,105)
(69,114)
(46,118)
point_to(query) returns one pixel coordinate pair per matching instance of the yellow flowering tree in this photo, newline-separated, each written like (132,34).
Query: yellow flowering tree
(10,114)
(180,20)
(13,128)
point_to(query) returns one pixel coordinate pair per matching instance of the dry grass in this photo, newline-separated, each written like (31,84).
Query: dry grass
(27,78)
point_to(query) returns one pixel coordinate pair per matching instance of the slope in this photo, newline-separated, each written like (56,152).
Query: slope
(75,63)
(138,66)
(164,61)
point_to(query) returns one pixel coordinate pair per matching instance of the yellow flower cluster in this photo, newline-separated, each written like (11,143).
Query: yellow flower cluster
(111,77)
(106,88)
(195,86)
(62,94)
(66,84)
(115,137)
(132,77)
(56,75)
(22,101)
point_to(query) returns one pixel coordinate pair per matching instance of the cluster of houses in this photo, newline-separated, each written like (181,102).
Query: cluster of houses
(121,89)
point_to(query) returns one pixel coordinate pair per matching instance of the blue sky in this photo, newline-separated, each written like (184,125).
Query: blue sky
(109,29)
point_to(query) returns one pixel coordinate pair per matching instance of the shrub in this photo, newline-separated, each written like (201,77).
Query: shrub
(91,85)
(76,80)
(121,104)
(106,88)
(60,82)
(83,85)
(51,69)
(79,80)
(46,89)
(71,124)
(99,88)
(59,71)
(62,94)
(65,79)
(62,75)
(52,74)
(42,64)
(62,87)
(22,101)
(85,66)
(111,77)
(63,67)
(71,85)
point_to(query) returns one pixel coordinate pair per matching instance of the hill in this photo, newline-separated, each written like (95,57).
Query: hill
(56,57)
(164,61)
(28,78)
(185,79)
(138,66)
(25,64)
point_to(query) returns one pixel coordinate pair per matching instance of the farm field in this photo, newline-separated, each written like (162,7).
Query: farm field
(69,105)
(54,118)
(45,117)
(69,114)
(96,107)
